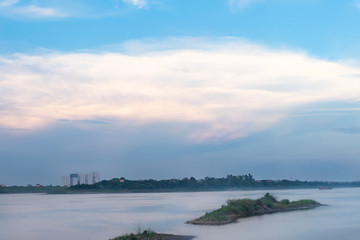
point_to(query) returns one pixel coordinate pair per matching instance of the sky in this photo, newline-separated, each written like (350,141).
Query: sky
(178,88)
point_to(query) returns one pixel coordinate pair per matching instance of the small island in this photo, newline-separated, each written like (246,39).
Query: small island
(242,208)
(152,235)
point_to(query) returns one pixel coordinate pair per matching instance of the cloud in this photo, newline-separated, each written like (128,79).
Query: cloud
(8,3)
(357,3)
(348,130)
(67,8)
(228,88)
(36,11)
(14,8)
(137,3)
(242,3)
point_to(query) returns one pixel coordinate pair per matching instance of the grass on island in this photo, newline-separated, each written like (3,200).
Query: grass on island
(151,235)
(240,208)
(146,234)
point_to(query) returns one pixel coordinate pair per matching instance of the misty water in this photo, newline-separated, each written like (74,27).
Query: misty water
(102,216)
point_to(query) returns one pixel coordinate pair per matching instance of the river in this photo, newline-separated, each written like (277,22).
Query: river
(102,216)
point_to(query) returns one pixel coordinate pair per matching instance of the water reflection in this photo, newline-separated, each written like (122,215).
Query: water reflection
(101,216)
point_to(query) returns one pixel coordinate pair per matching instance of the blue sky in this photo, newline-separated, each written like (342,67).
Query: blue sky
(170,88)
(318,27)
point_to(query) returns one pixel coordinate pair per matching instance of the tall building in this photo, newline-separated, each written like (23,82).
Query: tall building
(96,176)
(89,178)
(65,180)
(74,179)
(80,178)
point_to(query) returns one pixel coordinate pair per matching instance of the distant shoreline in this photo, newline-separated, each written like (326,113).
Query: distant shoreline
(16,191)
(208,184)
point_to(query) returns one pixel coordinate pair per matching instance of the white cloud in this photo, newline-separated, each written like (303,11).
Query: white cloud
(62,9)
(137,3)
(8,3)
(242,3)
(35,11)
(230,91)
(12,8)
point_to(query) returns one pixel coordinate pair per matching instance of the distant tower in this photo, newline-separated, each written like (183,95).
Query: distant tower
(82,178)
(74,179)
(96,177)
(65,180)
(89,178)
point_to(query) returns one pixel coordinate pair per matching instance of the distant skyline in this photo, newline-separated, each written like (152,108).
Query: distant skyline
(80,178)
(170,89)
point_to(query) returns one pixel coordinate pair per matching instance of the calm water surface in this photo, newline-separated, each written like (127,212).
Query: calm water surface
(102,216)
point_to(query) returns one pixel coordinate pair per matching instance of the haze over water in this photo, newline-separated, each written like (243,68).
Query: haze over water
(102,216)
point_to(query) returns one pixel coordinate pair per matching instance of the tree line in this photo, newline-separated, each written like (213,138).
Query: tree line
(208,183)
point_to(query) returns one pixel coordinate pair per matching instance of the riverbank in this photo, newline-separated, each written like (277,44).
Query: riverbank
(228,183)
(242,208)
(66,190)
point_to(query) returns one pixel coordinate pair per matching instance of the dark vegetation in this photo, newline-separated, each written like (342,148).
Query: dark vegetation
(151,235)
(207,184)
(30,189)
(147,234)
(241,208)
(244,182)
